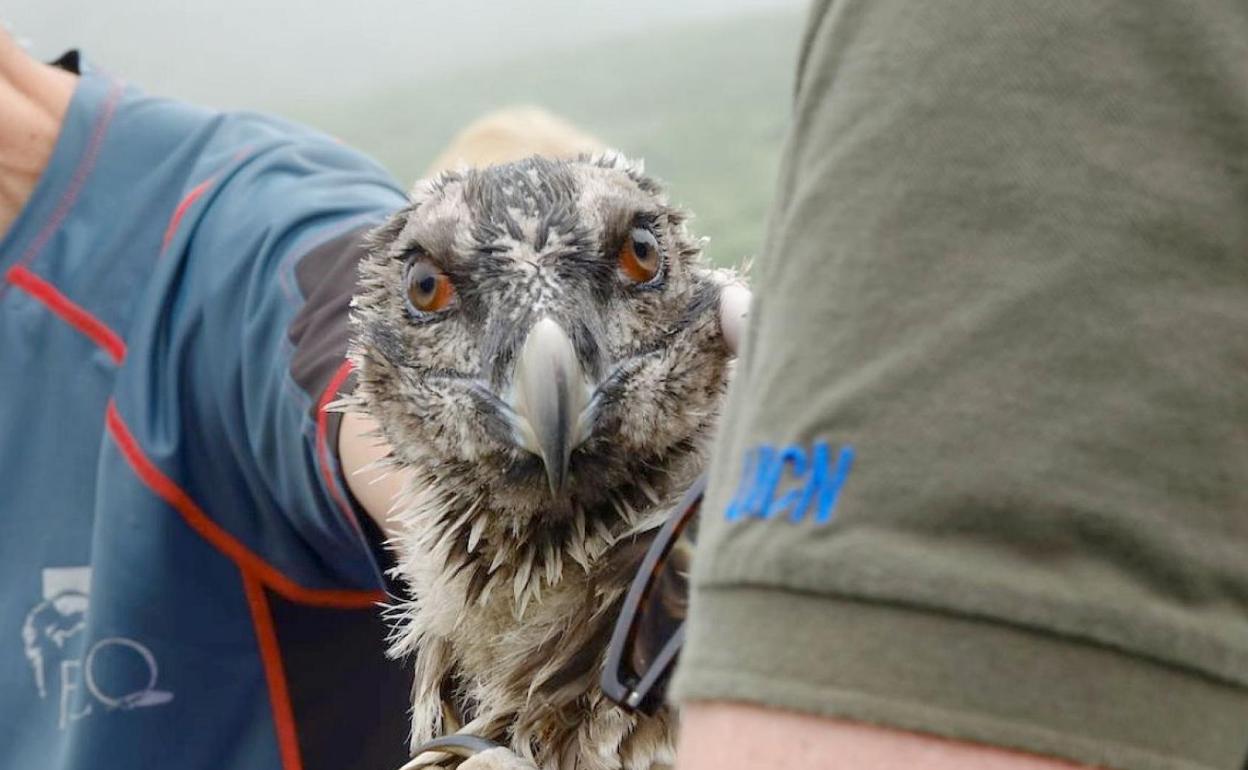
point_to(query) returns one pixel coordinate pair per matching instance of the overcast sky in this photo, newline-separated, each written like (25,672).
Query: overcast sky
(256,53)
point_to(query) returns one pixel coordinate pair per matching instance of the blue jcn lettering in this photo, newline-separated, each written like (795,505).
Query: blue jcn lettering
(809,479)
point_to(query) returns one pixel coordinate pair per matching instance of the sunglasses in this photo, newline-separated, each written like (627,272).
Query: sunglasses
(651,626)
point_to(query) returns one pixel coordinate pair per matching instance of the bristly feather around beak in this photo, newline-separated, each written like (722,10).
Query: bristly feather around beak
(551,398)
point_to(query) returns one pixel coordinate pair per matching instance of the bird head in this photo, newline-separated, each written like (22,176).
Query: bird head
(541,336)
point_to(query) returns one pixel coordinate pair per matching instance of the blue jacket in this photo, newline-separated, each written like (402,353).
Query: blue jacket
(186,580)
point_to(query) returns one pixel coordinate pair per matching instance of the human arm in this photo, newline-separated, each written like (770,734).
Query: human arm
(260,273)
(375,487)
(721,736)
(999,269)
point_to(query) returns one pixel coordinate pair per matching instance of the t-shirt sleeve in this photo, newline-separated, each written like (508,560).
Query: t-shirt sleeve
(984,470)
(259,316)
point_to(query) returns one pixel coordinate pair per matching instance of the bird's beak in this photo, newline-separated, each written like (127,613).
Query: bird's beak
(550,393)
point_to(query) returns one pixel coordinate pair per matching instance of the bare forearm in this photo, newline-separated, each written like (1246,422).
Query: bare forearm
(724,736)
(375,488)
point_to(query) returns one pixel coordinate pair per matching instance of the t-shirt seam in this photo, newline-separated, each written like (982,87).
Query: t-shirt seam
(982,617)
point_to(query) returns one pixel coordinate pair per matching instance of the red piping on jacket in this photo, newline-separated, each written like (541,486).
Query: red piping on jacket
(322,441)
(193,515)
(180,211)
(69,311)
(274,674)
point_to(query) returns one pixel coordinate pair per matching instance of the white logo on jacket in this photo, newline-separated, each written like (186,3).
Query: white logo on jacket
(116,672)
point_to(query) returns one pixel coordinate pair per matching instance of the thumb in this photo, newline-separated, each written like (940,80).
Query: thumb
(734,307)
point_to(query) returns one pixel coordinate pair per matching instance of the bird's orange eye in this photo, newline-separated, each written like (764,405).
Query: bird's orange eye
(639,256)
(428,289)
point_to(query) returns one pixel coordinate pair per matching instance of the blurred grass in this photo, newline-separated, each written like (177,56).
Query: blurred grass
(705,105)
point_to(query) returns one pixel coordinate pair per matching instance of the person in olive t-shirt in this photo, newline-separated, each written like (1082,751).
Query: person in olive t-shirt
(984,472)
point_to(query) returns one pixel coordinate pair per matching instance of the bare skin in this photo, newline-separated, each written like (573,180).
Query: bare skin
(725,736)
(35,97)
(714,735)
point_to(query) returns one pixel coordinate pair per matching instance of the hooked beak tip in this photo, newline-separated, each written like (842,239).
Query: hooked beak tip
(550,393)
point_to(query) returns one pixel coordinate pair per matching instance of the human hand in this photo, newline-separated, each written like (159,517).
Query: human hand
(734,308)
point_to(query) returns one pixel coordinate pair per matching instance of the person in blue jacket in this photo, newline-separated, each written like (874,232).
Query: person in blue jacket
(191,547)
(190,578)
(188,581)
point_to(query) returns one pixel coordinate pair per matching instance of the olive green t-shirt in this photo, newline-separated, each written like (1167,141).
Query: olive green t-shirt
(984,470)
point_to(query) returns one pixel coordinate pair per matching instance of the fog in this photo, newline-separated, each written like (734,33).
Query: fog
(699,88)
(264,54)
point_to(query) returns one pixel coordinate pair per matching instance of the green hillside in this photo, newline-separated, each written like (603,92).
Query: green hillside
(706,107)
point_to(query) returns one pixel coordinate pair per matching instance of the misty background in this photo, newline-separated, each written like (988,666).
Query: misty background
(698,88)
